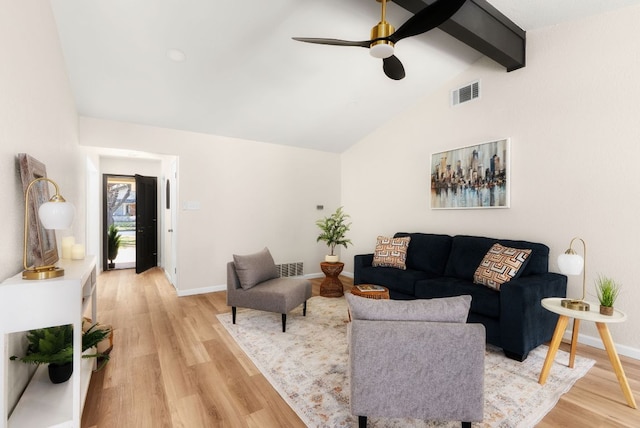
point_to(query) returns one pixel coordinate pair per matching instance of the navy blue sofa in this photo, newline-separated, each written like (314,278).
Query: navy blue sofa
(443,266)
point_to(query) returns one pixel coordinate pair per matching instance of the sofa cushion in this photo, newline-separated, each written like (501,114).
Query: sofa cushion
(468,251)
(253,269)
(500,264)
(484,301)
(427,252)
(452,309)
(391,252)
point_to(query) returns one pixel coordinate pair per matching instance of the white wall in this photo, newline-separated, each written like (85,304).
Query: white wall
(572,115)
(131,166)
(250,195)
(38,117)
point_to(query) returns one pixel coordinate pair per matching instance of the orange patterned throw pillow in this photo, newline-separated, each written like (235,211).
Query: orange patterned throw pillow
(391,252)
(500,265)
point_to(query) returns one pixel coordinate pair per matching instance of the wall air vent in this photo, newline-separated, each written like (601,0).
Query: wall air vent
(466,93)
(290,269)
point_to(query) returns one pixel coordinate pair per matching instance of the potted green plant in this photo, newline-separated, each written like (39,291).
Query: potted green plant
(607,291)
(54,346)
(113,244)
(334,229)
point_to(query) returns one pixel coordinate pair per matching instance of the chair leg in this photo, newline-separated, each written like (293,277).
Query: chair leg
(362,422)
(304,309)
(284,323)
(466,424)
(233,314)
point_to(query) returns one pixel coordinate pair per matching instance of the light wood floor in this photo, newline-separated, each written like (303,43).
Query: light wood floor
(173,365)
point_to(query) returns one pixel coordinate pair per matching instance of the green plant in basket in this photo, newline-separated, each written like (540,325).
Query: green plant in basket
(607,290)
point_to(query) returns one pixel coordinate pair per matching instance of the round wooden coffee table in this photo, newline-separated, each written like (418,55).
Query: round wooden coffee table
(370,294)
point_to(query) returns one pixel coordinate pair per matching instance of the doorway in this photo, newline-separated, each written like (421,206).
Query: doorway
(130,222)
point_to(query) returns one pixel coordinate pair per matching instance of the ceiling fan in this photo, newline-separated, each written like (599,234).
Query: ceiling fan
(384,36)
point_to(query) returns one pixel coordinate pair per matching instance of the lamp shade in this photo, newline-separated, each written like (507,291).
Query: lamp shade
(56,215)
(570,264)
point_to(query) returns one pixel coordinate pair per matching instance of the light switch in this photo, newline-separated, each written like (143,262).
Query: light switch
(191,206)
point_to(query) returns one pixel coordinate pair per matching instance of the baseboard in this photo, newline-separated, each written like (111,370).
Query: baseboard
(168,276)
(201,290)
(596,342)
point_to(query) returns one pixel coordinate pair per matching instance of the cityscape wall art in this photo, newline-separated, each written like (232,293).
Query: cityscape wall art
(471,177)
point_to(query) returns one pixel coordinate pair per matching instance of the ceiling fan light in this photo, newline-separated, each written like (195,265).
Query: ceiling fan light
(381,49)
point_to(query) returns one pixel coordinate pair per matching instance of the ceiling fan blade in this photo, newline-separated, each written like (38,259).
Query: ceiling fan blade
(333,42)
(393,68)
(427,19)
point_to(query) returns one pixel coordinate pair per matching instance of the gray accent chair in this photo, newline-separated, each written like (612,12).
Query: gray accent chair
(253,282)
(415,359)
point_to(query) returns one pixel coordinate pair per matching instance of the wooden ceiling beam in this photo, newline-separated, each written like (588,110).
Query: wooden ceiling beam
(484,28)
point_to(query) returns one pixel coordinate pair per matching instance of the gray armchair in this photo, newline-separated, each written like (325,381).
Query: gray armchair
(415,359)
(253,282)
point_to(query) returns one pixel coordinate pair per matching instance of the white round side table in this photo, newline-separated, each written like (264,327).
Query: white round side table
(553,304)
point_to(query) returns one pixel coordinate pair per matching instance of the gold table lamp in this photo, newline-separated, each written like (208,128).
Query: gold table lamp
(571,263)
(57,213)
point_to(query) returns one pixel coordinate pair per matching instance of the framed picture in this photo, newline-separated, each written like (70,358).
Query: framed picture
(42,249)
(471,177)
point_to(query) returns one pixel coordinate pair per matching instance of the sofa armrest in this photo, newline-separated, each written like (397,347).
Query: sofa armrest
(360,261)
(523,321)
(424,370)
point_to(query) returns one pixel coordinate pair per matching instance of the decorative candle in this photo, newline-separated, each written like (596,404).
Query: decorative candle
(67,243)
(77,252)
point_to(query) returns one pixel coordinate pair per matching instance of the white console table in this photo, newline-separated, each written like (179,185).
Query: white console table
(27,305)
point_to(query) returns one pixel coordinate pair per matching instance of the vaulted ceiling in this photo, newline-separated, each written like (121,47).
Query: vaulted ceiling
(243,76)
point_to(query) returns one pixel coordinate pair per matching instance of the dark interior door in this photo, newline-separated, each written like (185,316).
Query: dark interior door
(146,223)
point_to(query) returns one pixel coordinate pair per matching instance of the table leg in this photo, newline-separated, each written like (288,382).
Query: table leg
(574,342)
(561,326)
(605,335)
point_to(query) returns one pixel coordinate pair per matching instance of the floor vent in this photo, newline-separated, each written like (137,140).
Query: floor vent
(290,269)
(465,93)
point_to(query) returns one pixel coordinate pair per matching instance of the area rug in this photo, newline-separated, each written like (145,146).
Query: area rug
(307,365)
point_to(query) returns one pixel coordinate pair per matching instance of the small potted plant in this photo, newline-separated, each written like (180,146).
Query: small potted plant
(607,291)
(334,228)
(54,346)
(113,244)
